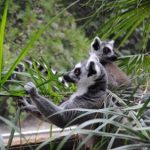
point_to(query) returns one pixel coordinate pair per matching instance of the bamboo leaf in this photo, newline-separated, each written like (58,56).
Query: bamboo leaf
(34,37)
(2,34)
(13,130)
(131,147)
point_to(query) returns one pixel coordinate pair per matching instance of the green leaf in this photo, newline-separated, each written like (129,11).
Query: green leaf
(141,111)
(13,130)
(2,34)
(33,38)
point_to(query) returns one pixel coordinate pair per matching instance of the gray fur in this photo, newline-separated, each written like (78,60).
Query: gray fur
(116,77)
(90,94)
(99,48)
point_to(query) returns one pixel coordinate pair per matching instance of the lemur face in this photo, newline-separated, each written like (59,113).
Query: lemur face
(84,72)
(103,49)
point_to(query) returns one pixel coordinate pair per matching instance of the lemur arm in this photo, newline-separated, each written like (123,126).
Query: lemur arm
(51,112)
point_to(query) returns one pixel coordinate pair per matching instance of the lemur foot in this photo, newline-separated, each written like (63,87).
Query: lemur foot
(30,87)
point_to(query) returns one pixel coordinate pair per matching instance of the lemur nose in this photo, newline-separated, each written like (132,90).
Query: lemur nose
(67,78)
(114,58)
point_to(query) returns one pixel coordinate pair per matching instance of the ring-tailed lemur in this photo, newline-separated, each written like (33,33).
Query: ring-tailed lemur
(91,80)
(42,68)
(21,67)
(105,51)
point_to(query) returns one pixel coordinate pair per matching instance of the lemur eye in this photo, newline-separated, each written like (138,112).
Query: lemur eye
(106,50)
(77,71)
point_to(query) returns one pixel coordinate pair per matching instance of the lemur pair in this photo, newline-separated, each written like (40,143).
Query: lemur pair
(105,51)
(116,77)
(90,76)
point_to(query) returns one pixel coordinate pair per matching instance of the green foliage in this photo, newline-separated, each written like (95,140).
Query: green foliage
(125,21)
(2,31)
(137,66)
(61,41)
(13,130)
(58,40)
(49,84)
(51,32)
(126,18)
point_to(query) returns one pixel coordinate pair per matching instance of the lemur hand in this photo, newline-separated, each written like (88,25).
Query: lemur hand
(23,103)
(26,106)
(30,88)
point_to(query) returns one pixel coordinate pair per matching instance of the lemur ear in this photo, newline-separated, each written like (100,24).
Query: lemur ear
(112,42)
(91,69)
(95,45)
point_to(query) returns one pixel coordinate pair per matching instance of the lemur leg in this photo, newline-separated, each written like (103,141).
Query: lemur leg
(26,106)
(46,107)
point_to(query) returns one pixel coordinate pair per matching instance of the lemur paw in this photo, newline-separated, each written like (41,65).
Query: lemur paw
(26,106)
(30,87)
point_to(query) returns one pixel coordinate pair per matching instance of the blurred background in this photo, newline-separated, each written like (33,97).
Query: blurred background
(70,27)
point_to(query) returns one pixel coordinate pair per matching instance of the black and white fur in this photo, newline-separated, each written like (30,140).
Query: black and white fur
(21,67)
(91,80)
(103,49)
(42,68)
(106,54)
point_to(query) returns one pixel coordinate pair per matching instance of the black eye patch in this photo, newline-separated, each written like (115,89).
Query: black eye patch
(106,50)
(77,71)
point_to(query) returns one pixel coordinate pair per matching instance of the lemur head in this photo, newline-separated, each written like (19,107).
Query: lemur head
(85,72)
(103,49)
